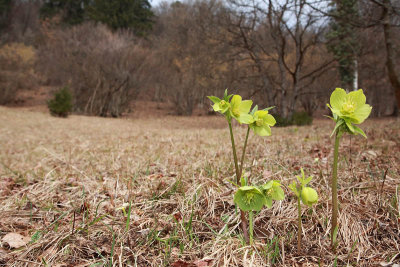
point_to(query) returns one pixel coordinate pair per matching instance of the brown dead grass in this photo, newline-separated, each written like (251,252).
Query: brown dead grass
(64,180)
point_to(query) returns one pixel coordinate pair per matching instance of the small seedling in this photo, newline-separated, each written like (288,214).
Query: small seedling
(304,194)
(348,109)
(248,198)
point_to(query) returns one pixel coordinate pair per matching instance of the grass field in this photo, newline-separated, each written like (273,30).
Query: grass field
(64,183)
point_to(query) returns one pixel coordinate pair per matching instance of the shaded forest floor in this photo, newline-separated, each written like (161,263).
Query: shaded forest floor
(66,185)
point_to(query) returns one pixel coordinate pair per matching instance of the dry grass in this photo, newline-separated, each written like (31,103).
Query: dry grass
(64,180)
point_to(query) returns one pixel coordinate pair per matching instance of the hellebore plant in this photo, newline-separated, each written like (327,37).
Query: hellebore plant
(248,198)
(304,194)
(254,198)
(348,109)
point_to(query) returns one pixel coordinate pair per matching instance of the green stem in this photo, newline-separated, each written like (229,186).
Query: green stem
(299,230)
(234,153)
(251,227)
(334,188)
(243,154)
(242,213)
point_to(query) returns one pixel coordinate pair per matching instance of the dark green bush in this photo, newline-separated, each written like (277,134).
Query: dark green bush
(61,104)
(282,121)
(302,118)
(298,118)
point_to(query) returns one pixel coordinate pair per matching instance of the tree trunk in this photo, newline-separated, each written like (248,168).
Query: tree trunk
(390,52)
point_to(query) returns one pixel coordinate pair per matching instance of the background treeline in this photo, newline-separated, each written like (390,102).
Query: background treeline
(285,53)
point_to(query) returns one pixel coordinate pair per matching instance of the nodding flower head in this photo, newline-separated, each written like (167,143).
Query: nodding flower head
(249,198)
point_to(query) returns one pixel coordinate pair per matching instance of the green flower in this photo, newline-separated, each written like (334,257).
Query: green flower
(249,198)
(272,191)
(262,122)
(309,196)
(220,105)
(240,109)
(350,108)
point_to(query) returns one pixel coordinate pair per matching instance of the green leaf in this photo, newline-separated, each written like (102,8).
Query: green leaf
(349,126)
(293,187)
(266,109)
(359,131)
(214,99)
(254,110)
(307,180)
(338,124)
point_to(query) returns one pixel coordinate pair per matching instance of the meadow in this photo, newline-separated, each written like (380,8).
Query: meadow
(66,187)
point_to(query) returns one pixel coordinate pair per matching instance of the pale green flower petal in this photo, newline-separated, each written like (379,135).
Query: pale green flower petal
(262,130)
(358,97)
(261,113)
(245,106)
(270,120)
(268,202)
(361,113)
(277,194)
(216,107)
(236,99)
(338,97)
(245,118)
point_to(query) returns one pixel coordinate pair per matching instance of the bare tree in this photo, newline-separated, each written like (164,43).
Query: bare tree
(189,60)
(383,15)
(104,70)
(281,38)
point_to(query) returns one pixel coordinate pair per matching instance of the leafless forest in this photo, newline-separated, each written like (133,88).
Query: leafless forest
(276,52)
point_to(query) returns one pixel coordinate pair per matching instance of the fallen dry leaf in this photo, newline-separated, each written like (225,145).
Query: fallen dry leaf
(180,263)
(15,240)
(203,263)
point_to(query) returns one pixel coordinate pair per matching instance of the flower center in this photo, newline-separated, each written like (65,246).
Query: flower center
(223,105)
(249,198)
(259,122)
(348,107)
(236,111)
